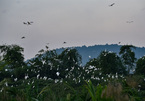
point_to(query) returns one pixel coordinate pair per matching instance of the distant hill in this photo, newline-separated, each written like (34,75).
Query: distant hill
(88,52)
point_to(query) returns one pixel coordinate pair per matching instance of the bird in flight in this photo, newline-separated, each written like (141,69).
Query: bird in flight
(24,23)
(23,37)
(64,42)
(112,4)
(129,21)
(46,47)
(27,23)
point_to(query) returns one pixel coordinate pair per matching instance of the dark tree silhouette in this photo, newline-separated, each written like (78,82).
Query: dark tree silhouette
(128,56)
(111,63)
(140,66)
(12,55)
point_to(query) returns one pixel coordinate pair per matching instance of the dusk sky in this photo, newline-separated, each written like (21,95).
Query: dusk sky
(77,22)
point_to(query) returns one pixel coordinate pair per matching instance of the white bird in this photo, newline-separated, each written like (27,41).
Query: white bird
(15,79)
(57,73)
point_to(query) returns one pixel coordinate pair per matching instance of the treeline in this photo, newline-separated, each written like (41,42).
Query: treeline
(47,69)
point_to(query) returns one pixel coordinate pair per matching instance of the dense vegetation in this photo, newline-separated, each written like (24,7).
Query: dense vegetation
(52,77)
(88,52)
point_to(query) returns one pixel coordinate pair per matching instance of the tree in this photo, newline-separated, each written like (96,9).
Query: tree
(45,62)
(110,63)
(93,62)
(128,56)
(2,64)
(70,59)
(12,55)
(140,66)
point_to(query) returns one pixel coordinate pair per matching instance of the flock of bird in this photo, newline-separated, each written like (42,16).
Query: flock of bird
(76,77)
(30,23)
(26,23)
(126,21)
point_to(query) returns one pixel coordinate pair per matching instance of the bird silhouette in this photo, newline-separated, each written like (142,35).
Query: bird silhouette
(129,21)
(24,23)
(112,4)
(46,47)
(27,23)
(64,42)
(23,37)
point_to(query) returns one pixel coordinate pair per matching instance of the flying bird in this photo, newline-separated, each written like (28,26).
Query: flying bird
(24,23)
(112,4)
(27,23)
(46,47)
(129,21)
(23,37)
(64,42)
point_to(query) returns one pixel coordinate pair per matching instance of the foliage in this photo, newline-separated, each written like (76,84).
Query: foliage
(94,62)
(53,77)
(111,63)
(128,56)
(45,63)
(140,66)
(12,55)
(135,87)
(96,93)
(70,58)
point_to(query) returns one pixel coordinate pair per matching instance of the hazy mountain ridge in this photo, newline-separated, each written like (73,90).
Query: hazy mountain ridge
(88,52)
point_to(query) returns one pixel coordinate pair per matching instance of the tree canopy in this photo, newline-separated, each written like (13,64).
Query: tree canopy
(12,55)
(140,66)
(110,62)
(128,56)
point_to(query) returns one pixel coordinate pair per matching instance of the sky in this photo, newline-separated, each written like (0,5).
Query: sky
(76,22)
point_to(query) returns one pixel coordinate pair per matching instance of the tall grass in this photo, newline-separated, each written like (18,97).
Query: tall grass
(96,92)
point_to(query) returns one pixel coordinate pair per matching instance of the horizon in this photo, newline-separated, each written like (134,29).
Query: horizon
(33,24)
(88,46)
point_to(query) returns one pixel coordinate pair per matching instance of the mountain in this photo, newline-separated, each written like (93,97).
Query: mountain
(88,52)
